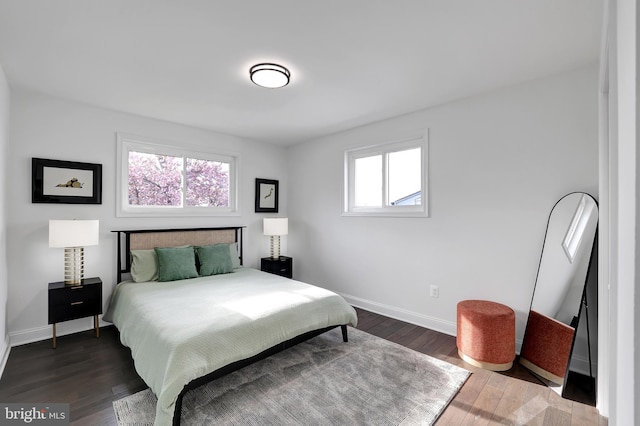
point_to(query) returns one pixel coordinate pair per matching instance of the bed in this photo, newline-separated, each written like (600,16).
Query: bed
(189,330)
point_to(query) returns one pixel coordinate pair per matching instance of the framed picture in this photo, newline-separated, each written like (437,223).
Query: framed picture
(266,196)
(65,182)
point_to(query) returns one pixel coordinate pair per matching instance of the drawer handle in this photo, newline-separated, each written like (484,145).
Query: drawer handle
(76,287)
(283,270)
(77,303)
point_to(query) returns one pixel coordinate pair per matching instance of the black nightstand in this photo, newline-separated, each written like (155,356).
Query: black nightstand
(73,301)
(282,266)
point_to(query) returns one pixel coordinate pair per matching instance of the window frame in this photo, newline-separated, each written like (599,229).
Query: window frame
(384,149)
(127,143)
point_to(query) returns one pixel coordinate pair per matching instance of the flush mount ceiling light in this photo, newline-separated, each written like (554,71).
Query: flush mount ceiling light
(271,76)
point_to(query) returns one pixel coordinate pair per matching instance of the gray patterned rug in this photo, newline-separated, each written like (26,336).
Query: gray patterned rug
(322,381)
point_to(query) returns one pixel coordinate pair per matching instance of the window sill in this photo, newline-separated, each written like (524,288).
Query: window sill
(414,214)
(178,212)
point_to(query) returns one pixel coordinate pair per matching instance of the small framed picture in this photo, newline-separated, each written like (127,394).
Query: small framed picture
(266,196)
(65,182)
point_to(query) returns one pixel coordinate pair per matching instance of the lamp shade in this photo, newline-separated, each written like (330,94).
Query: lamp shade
(276,226)
(73,233)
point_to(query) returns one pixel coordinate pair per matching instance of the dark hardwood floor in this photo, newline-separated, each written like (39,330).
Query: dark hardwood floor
(90,373)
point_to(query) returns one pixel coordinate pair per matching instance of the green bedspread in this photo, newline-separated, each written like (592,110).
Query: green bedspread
(182,330)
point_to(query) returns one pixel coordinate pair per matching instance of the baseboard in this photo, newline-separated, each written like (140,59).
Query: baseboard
(426,321)
(580,364)
(431,323)
(4,354)
(38,334)
(30,335)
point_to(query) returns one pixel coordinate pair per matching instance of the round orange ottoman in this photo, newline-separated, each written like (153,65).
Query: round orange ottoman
(486,334)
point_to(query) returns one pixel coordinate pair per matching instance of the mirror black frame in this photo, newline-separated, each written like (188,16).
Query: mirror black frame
(583,302)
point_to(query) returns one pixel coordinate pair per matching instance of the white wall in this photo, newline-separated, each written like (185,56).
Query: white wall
(498,163)
(4,141)
(622,182)
(46,127)
(606,225)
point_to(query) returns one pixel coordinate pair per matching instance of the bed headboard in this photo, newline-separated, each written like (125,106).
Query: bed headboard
(142,239)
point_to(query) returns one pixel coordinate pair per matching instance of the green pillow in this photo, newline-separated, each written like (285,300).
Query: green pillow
(144,265)
(214,259)
(176,263)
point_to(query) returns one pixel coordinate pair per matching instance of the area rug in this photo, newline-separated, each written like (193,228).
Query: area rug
(322,381)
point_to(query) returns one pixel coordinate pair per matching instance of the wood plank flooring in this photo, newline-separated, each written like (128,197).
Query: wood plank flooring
(90,373)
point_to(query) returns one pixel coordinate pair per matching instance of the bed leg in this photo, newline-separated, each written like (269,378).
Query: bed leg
(345,338)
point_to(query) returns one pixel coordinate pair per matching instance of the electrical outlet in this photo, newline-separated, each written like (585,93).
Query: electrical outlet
(434,291)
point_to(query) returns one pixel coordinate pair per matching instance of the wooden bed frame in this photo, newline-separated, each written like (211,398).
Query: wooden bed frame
(151,238)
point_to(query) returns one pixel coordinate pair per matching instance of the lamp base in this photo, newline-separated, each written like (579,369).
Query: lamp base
(73,265)
(275,246)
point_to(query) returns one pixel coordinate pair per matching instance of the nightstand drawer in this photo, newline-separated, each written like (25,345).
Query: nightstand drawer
(74,310)
(282,266)
(71,294)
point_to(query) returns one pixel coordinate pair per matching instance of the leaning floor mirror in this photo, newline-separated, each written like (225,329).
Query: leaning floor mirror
(560,290)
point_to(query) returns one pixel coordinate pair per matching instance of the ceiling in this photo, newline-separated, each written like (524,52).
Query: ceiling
(352,62)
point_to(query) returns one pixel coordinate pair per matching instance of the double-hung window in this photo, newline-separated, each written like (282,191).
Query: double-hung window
(155,179)
(387,180)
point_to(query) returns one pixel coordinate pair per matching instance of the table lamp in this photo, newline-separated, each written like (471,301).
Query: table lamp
(275,227)
(73,236)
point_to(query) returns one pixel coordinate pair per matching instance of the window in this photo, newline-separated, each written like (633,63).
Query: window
(162,180)
(577,227)
(387,180)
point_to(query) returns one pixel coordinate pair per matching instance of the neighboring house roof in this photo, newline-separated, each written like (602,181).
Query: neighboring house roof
(410,199)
